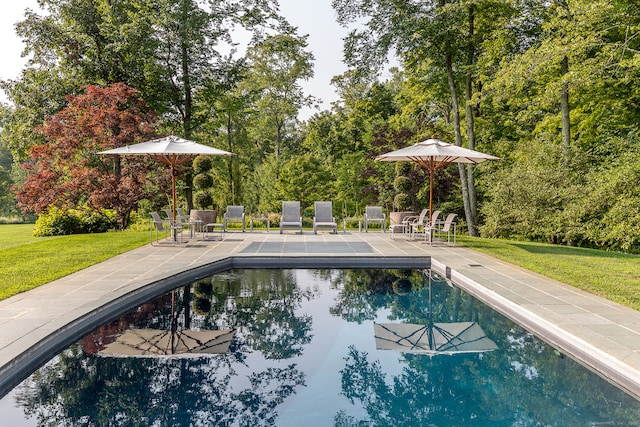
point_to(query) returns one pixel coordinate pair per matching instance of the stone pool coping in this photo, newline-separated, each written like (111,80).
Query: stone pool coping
(36,325)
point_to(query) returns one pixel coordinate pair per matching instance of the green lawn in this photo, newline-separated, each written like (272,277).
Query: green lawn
(612,275)
(28,262)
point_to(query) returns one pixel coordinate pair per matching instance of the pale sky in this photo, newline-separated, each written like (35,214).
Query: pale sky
(315,18)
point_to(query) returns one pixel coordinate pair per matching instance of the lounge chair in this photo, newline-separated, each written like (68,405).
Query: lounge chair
(374,215)
(234,214)
(162,225)
(291,218)
(324,218)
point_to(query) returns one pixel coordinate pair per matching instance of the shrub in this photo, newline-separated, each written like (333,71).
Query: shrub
(201,306)
(202,164)
(62,222)
(402,184)
(402,201)
(203,289)
(203,181)
(203,199)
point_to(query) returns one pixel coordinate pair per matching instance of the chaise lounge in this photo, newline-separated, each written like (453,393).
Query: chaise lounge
(324,218)
(374,215)
(234,214)
(291,218)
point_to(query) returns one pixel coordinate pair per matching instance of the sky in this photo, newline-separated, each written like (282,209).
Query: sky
(315,18)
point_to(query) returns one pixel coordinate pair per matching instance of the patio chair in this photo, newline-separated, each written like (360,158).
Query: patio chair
(374,215)
(420,226)
(324,218)
(446,228)
(234,214)
(404,227)
(414,224)
(180,217)
(162,225)
(291,218)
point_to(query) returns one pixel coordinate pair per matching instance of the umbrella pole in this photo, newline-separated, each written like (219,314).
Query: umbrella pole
(431,173)
(174,202)
(173,194)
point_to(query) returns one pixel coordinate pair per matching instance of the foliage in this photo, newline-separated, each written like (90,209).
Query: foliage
(66,172)
(7,197)
(277,64)
(307,179)
(203,200)
(203,182)
(493,74)
(61,222)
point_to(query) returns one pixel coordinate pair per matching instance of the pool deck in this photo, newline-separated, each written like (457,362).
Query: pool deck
(37,324)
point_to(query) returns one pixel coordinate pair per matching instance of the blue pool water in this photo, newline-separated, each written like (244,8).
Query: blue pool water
(305,352)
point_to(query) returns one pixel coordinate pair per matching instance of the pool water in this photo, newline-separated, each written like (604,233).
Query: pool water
(304,352)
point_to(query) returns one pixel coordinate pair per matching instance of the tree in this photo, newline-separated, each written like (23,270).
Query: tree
(166,49)
(548,192)
(66,172)
(305,178)
(229,110)
(441,33)
(277,64)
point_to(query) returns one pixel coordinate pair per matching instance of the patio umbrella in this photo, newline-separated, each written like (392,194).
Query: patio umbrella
(432,155)
(433,338)
(173,342)
(173,152)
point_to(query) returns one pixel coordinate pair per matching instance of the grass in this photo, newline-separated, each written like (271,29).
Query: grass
(28,262)
(611,275)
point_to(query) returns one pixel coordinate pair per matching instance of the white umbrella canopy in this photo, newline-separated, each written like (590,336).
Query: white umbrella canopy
(173,152)
(169,147)
(432,155)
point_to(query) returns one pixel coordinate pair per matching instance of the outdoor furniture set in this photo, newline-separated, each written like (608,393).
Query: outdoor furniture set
(420,225)
(412,227)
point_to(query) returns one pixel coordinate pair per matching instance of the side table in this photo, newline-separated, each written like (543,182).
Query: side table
(212,228)
(252,219)
(344,224)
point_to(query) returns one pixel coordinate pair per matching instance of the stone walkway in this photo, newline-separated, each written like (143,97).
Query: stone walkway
(37,324)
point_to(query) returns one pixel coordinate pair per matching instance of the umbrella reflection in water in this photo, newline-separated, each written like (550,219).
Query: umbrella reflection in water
(175,341)
(433,338)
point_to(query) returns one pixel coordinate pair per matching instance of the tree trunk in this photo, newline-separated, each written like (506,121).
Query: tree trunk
(471,135)
(564,100)
(186,120)
(456,126)
(232,189)
(565,110)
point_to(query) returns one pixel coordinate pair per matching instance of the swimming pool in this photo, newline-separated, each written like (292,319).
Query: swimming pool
(305,351)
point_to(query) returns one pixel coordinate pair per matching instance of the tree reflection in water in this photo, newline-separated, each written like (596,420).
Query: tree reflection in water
(331,366)
(501,388)
(83,388)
